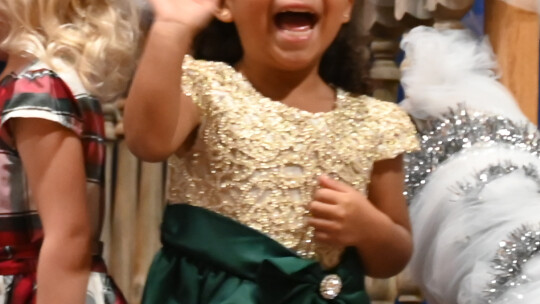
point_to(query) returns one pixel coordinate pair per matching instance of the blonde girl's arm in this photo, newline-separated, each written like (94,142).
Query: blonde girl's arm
(157,116)
(52,158)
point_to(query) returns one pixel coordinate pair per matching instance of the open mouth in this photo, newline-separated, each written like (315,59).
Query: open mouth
(295,21)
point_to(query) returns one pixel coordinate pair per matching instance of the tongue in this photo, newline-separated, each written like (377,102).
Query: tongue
(294,21)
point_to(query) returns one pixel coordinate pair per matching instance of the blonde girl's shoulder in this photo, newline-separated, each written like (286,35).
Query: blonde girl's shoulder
(65,72)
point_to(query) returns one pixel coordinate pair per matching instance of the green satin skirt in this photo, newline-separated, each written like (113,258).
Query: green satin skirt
(210,259)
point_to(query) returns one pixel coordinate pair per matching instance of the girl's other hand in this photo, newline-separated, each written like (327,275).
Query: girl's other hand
(341,215)
(194,14)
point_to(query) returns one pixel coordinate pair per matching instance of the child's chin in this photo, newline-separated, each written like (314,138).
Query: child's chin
(295,62)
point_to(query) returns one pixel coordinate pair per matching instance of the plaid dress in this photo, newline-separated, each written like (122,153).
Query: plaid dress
(41,93)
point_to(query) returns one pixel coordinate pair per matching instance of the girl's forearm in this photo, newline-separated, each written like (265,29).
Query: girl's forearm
(386,243)
(153,111)
(63,269)
(386,249)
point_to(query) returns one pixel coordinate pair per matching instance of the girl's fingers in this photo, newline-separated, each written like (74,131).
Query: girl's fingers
(329,183)
(323,225)
(322,237)
(328,196)
(321,210)
(327,238)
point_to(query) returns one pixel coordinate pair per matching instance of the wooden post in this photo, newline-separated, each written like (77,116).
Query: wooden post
(514,35)
(384,72)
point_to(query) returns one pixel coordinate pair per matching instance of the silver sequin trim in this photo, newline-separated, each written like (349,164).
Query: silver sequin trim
(513,254)
(457,130)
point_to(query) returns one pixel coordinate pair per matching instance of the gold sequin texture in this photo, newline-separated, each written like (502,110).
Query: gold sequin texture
(256,160)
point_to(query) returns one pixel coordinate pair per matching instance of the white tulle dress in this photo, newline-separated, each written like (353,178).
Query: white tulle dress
(474,188)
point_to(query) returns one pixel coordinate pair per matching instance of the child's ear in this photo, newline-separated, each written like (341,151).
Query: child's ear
(224,13)
(348,12)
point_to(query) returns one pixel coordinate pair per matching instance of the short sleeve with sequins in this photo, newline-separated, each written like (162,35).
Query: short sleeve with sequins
(200,78)
(397,133)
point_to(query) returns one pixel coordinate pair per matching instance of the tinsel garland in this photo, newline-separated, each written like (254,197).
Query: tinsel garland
(457,130)
(483,177)
(521,245)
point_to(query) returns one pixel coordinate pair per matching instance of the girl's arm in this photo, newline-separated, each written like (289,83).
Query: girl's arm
(157,116)
(378,227)
(53,160)
(391,243)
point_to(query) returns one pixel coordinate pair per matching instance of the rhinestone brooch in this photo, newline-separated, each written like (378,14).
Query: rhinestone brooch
(330,286)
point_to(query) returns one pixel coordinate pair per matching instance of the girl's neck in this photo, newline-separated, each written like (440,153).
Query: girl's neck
(302,89)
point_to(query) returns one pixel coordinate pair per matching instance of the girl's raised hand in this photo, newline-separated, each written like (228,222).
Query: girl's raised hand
(194,14)
(340,214)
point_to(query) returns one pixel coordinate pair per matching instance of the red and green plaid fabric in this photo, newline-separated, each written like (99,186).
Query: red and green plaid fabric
(41,93)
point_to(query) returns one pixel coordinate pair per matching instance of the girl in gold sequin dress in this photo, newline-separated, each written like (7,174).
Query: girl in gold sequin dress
(270,160)
(63,59)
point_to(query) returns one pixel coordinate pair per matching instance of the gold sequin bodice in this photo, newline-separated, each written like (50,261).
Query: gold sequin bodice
(256,160)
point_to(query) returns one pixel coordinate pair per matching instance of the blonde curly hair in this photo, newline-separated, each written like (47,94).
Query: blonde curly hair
(98,38)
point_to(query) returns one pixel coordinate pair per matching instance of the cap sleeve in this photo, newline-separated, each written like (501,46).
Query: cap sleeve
(204,80)
(41,94)
(397,133)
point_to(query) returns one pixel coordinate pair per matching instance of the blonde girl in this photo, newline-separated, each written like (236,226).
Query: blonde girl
(64,57)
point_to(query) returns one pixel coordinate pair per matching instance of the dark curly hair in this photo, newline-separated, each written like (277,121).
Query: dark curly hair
(342,64)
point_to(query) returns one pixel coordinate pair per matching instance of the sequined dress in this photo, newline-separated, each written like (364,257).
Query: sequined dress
(235,229)
(40,92)
(255,160)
